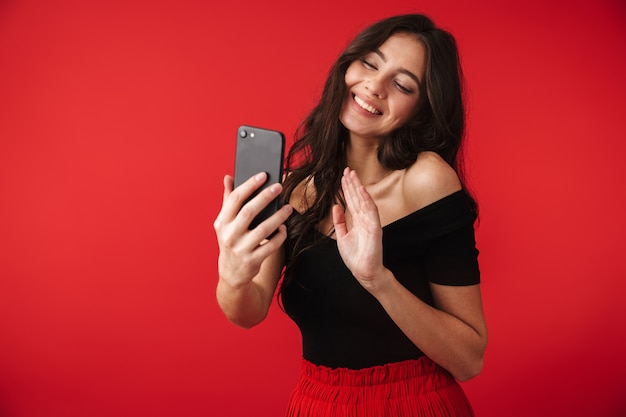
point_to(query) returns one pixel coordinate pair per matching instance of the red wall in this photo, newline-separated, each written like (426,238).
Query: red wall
(117,123)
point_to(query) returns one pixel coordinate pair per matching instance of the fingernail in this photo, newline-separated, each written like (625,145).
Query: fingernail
(287,208)
(275,189)
(260,176)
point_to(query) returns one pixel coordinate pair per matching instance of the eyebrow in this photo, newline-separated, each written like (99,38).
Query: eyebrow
(402,70)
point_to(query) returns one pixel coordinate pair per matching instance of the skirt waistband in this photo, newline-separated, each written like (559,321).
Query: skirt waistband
(424,372)
(416,387)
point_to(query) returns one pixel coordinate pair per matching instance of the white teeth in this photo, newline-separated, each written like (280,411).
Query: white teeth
(365,106)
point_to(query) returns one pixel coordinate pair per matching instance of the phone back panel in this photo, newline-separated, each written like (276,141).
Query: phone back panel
(259,150)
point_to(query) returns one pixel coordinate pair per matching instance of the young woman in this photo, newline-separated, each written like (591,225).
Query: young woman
(376,239)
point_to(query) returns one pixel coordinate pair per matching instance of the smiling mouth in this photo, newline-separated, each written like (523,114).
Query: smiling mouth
(365,106)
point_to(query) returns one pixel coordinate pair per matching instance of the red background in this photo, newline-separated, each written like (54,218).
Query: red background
(117,123)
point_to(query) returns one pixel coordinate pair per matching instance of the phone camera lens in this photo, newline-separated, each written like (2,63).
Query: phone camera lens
(243,133)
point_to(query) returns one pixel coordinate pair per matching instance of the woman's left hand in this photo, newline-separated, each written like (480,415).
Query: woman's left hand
(360,244)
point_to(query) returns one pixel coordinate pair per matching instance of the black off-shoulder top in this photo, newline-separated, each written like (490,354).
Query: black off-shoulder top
(343,325)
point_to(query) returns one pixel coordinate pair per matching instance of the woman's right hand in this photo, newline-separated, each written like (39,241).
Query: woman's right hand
(242,251)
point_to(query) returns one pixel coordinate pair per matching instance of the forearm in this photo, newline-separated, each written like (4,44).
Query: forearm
(246,301)
(245,306)
(449,341)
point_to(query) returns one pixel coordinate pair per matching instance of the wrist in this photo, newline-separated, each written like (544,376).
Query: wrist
(380,284)
(229,285)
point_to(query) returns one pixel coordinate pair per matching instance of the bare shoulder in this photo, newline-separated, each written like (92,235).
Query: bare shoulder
(429,179)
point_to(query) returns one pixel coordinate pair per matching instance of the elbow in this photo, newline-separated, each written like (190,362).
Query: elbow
(473,366)
(246,321)
(240,312)
(244,324)
(471,371)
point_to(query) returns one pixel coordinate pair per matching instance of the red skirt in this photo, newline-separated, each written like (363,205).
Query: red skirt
(409,388)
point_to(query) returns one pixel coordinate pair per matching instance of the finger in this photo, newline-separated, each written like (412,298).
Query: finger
(348,192)
(228,186)
(364,208)
(353,184)
(367,202)
(237,196)
(339,222)
(270,225)
(254,206)
(272,244)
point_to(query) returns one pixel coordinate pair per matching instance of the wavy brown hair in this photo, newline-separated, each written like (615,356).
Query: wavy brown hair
(317,157)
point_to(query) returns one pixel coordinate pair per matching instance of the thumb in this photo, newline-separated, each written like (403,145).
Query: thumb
(228,186)
(339,221)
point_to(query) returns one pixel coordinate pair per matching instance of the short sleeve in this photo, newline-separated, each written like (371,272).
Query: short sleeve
(452,259)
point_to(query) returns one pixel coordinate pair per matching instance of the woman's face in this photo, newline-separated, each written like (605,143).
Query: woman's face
(384,87)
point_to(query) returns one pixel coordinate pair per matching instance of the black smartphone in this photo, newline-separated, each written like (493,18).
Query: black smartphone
(260,150)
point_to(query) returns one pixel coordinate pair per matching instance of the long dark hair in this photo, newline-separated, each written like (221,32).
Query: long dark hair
(317,157)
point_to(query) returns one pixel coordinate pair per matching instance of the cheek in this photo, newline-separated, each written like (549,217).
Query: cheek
(352,75)
(405,108)
(344,107)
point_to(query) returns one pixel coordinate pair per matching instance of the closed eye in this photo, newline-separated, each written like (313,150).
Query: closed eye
(402,88)
(368,64)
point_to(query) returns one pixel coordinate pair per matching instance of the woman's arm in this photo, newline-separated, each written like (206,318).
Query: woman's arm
(249,266)
(453,334)
(247,304)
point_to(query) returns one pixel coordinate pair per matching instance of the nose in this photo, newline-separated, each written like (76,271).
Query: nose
(375,86)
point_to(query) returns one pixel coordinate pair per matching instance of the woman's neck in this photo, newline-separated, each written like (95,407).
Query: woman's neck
(362,157)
